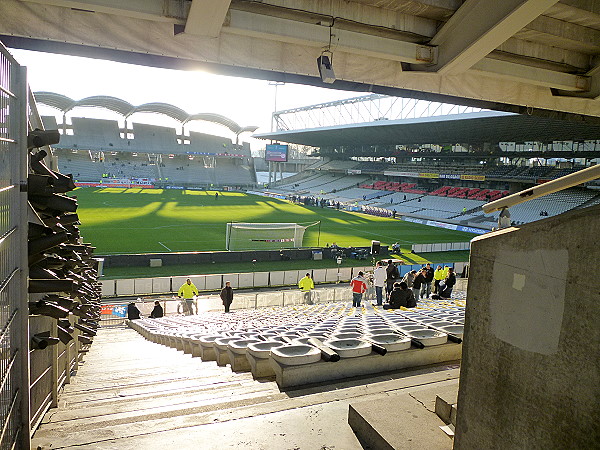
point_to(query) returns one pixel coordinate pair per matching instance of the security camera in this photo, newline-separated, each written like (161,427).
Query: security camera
(326,69)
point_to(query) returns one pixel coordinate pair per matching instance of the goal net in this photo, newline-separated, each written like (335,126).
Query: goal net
(265,236)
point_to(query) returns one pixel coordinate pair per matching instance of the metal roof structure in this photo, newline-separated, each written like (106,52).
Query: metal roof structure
(469,128)
(126,109)
(509,55)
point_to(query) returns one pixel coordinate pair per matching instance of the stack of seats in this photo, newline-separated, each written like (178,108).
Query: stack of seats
(63,277)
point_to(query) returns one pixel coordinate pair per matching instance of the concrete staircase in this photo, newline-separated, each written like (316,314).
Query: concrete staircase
(130,393)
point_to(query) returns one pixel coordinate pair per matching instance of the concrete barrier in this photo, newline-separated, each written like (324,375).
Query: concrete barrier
(245,280)
(291,277)
(142,286)
(125,287)
(108,288)
(215,282)
(276,279)
(261,279)
(161,285)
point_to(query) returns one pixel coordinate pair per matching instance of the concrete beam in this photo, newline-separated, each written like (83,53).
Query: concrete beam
(559,33)
(533,75)
(157,10)
(206,17)
(282,30)
(478,27)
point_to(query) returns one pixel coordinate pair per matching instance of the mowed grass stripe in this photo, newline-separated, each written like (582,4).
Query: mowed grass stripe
(139,220)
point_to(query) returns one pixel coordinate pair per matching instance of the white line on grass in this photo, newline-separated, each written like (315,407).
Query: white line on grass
(165,246)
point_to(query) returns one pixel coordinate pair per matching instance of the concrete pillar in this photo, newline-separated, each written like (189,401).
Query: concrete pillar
(530,374)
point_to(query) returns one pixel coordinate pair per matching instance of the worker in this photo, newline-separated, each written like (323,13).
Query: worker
(187,291)
(438,276)
(306,285)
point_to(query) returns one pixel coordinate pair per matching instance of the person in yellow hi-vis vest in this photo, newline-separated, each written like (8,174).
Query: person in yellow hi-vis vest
(187,292)
(306,285)
(438,276)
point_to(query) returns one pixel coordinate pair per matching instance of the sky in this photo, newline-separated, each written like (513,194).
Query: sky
(244,100)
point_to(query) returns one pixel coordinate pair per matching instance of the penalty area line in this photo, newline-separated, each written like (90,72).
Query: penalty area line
(165,246)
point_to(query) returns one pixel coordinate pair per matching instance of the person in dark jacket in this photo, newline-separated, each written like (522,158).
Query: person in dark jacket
(132,311)
(401,296)
(449,283)
(426,287)
(158,311)
(392,275)
(417,283)
(227,295)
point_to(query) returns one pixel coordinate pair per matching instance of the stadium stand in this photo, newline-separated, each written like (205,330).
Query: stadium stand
(94,134)
(124,165)
(81,164)
(206,143)
(154,139)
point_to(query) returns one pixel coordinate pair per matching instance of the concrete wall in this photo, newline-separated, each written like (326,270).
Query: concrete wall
(165,285)
(530,375)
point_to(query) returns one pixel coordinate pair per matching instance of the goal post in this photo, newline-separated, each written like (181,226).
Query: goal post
(265,236)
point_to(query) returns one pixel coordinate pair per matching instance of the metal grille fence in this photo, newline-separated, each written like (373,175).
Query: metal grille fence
(12,301)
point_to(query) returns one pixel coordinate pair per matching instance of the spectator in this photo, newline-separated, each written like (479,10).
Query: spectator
(359,286)
(227,295)
(401,296)
(393,275)
(409,278)
(418,282)
(426,287)
(449,283)
(379,277)
(187,292)
(158,311)
(306,285)
(133,312)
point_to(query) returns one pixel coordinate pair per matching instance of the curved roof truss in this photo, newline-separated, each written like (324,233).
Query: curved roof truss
(126,109)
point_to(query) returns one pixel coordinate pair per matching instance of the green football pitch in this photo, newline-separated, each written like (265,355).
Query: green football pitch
(125,221)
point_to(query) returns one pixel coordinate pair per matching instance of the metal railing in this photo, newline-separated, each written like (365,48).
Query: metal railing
(14,374)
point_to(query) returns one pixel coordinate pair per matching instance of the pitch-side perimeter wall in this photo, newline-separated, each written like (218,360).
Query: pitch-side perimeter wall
(214,282)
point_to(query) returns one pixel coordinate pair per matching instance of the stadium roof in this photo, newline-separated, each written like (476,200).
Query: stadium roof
(126,109)
(518,55)
(470,128)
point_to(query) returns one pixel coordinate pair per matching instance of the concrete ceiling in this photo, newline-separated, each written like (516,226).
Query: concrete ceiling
(534,56)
